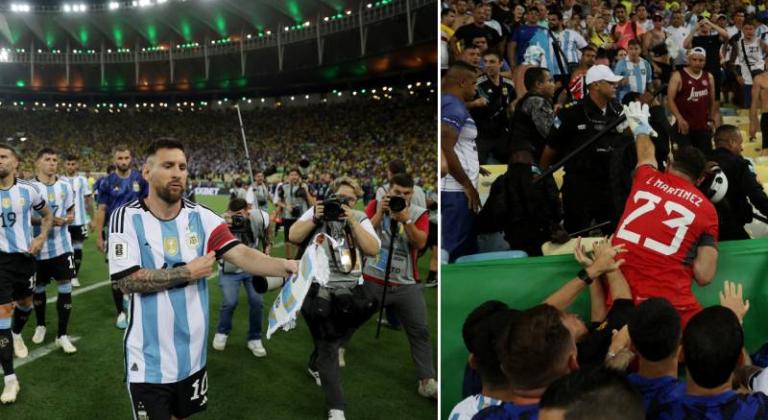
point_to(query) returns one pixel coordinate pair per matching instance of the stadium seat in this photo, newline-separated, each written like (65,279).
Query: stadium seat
(488,256)
(491,242)
(444,256)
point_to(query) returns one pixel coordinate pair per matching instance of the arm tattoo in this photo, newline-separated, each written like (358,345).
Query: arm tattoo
(148,281)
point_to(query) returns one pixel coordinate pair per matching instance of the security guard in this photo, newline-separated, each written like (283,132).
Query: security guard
(587,197)
(489,110)
(734,211)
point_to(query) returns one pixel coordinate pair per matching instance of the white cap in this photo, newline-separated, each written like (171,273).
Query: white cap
(601,72)
(698,50)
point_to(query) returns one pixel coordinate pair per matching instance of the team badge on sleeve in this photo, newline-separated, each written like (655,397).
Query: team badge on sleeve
(119,250)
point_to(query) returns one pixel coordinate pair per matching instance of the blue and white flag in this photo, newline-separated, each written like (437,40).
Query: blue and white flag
(313,267)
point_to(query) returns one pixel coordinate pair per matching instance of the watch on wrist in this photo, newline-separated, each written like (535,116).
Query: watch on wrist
(582,274)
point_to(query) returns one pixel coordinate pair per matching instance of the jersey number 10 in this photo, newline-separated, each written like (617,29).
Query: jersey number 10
(681,223)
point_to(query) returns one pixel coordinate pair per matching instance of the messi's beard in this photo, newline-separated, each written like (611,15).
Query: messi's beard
(169,196)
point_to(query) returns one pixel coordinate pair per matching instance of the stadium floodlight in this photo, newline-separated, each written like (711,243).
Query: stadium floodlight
(4,56)
(262,100)
(369,5)
(145,3)
(306,24)
(429,84)
(326,19)
(113,5)
(349,12)
(67,8)
(306,96)
(20,7)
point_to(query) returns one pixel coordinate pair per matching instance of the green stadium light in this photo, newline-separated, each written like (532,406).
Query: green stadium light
(21,84)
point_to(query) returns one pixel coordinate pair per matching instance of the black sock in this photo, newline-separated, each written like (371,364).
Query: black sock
(64,307)
(78,260)
(117,297)
(20,318)
(432,275)
(39,301)
(6,351)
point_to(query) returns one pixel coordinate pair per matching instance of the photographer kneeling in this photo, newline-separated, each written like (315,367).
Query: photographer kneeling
(404,295)
(334,311)
(252,229)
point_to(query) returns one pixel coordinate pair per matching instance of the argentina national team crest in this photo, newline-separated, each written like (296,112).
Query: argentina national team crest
(6,203)
(192,240)
(171,246)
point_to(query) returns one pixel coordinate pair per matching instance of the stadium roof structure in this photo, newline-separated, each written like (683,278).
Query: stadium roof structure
(203,45)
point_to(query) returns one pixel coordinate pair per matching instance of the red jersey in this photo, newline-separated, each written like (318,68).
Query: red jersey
(665,219)
(693,99)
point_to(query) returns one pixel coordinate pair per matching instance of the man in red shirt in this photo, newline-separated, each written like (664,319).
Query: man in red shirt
(691,99)
(404,296)
(669,227)
(625,29)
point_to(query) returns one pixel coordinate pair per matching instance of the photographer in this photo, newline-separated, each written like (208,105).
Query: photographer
(335,310)
(252,229)
(404,295)
(258,194)
(293,200)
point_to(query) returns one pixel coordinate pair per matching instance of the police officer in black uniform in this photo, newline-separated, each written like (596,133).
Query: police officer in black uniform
(489,110)
(587,197)
(735,210)
(534,113)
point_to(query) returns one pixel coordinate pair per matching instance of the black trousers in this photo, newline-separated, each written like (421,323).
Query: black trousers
(700,139)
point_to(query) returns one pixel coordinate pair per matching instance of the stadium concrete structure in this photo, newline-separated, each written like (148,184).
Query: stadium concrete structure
(133,51)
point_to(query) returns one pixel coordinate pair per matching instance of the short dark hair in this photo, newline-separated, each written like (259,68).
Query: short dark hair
(292,170)
(712,344)
(654,328)
(71,156)
(534,75)
(402,179)
(595,393)
(724,131)
(556,13)
(751,20)
(534,347)
(445,12)
(493,53)
(633,43)
(10,148)
(479,36)
(120,147)
(397,166)
(619,6)
(45,151)
(237,204)
(690,161)
(482,330)
(164,143)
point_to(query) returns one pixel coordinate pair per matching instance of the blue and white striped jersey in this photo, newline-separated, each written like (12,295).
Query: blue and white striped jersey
(456,115)
(17,204)
(60,199)
(638,76)
(167,331)
(81,190)
(472,405)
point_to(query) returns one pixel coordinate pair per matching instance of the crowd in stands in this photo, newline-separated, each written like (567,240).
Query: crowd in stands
(551,74)
(357,138)
(626,97)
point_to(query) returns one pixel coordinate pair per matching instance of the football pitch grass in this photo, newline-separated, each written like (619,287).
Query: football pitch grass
(379,378)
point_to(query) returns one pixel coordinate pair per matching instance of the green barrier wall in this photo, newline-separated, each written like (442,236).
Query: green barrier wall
(525,282)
